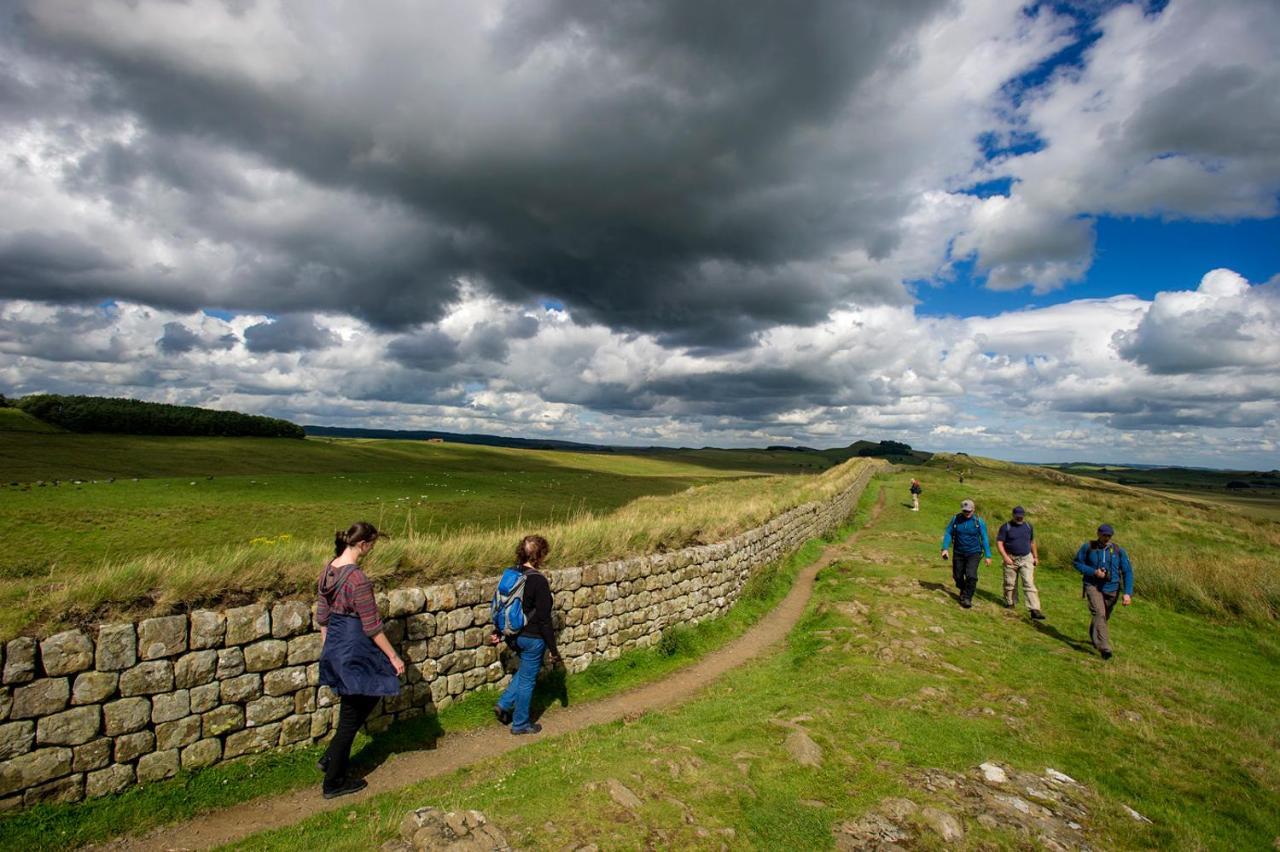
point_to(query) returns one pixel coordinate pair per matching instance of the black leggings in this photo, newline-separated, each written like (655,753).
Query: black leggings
(351,715)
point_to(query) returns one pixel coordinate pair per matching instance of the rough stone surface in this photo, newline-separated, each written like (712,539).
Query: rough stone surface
(162,637)
(251,740)
(993,774)
(265,656)
(36,767)
(240,689)
(285,681)
(16,738)
(170,706)
(130,746)
(20,660)
(125,716)
(147,678)
(201,754)
(803,749)
(91,755)
(117,647)
(405,602)
(195,669)
(267,709)
(945,825)
(247,624)
(207,629)
(205,698)
(222,720)
(621,794)
(230,663)
(68,789)
(289,618)
(178,733)
(72,727)
(456,831)
(94,687)
(66,653)
(157,766)
(113,779)
(305,649)
(40,698)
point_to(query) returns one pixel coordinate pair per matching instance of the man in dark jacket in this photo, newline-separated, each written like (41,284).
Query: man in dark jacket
(1016,542)
(1106,569)
(971,544)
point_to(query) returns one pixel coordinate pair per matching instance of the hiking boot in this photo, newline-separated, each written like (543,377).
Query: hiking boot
(347,787)
(1037,615)
(533,728)
(1009,605)
(504,716)
(966,603)
(1106,655)
(323,763)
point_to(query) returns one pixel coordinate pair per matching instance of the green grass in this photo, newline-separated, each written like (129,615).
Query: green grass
(17,420)
(1182,725)
(192,793)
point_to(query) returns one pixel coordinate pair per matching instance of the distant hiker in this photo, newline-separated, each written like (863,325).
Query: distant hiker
(971,544)
(1016,542)
(915,494)
(1104,566)
(526,628)
(357,660)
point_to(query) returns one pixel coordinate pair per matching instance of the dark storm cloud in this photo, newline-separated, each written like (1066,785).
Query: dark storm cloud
(674,171)
(429,349)
(291,333)
(178,339)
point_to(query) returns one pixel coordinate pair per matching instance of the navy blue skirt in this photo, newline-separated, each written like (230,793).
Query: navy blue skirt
(351,664)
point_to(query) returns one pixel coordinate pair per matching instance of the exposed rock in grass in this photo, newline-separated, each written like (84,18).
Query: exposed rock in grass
(623,796)
(455,831)
(803,749)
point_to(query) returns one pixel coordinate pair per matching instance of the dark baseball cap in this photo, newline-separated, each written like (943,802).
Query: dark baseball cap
(1018,510)
(1106,529)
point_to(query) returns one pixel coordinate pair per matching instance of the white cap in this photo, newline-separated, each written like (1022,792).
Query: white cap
(966,506)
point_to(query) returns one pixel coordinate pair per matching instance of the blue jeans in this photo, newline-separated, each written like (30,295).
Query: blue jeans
(519,692)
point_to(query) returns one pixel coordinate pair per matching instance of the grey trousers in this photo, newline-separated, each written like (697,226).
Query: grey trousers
(1100,606)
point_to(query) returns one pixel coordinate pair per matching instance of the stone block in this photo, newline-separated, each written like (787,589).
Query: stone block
(416,652)
(6,700)
(69,789)
(265,655)
(207,629)
(469,591)
(201,754)
(304,649)
(117,648)
(295,729)
(251,741)
(16,738)
(420,626)
(131,746)
(106,782)
(170,705)
(72,727)
(313,674)
(267,709)
(378,724)
(289,618)
(66,653)
(162,637)
(247,624)
(240,689)
(157,766)
(206,697)
(94,687)
(320,721)
(394,628)
(405,602)
(304,700)
(195,669)
(326,697)
(147,678)
(20,660)
(222,720)
(285,681)
(230,663)
(178,733)
(40,698)
(456,684)
(92,755)
(33,768)
(125,716)
(441,598)
(457,619)
(473,678)
(438,646)
(472,637)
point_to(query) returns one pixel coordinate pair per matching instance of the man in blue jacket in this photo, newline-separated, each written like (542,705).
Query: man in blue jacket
(1105,568)
(971,543)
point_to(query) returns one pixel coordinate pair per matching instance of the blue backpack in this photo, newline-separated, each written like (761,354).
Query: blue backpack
(507,607)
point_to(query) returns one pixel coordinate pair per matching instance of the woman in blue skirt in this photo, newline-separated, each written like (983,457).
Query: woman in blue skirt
(358,661)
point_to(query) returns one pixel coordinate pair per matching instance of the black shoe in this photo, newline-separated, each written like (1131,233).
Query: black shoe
(1008,605)
(534,728)
(504,716)
(966,603)
(323,763)
(351,785)
(1106,655)
(1037,615)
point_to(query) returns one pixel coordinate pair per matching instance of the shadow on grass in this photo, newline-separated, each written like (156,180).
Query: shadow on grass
(420,734)
(552,687)
(1054,633)
(940,587)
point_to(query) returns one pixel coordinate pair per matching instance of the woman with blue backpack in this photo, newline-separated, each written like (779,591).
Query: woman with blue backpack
(521,611)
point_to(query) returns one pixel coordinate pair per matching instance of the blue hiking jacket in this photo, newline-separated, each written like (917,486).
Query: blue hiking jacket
(1113,559)
(970,535)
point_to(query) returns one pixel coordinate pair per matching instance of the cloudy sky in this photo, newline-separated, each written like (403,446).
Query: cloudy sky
(1036,231)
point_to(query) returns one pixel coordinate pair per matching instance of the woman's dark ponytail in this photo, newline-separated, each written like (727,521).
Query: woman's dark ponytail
(532,549)
(356,533)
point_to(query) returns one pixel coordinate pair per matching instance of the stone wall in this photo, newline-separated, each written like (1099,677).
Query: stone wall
(85,714)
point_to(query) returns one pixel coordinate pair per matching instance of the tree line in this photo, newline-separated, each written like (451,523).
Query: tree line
(135,417)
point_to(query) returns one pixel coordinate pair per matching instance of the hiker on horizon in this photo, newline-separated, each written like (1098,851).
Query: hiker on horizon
(1105,566)
(356,660)
(525,587)
(1016,542)
(915,494)
(971,544)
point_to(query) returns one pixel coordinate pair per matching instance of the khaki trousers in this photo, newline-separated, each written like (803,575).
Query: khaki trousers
(1100,606)
(1024,567)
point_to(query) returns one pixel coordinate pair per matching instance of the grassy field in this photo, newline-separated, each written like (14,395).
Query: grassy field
(1260,499)
(892,679)
(143,521)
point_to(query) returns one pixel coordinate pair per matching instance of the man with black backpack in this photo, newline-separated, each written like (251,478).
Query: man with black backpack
(1016,542)
(1106,569)
(971,544)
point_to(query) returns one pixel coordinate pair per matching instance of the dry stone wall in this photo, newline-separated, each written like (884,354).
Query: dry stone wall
(85,714)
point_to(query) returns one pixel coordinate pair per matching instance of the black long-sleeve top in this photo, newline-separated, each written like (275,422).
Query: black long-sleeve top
(537,609)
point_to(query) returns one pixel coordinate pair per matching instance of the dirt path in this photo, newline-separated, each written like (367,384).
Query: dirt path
(455,751)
